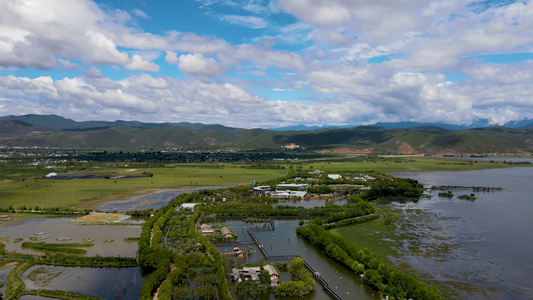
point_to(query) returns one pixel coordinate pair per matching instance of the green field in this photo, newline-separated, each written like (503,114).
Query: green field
(19,186)
(88,193)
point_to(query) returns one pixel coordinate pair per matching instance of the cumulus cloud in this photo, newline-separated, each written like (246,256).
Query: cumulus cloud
(197,65)
(325,52)
(317,11)
(139,64)
(171,57)
(36,33)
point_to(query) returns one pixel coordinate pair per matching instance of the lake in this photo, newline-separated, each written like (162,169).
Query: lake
(485,244)
(155,200)
(105,283)
(50,229)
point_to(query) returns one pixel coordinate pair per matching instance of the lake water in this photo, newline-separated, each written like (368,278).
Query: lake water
(284,241)
(154,200)
(53,228)
(105,283)
(486,243)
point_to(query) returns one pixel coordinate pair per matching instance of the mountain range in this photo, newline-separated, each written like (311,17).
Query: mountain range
(56,131)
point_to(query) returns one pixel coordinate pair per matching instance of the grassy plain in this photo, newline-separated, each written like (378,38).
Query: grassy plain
(88,193)
(20,186)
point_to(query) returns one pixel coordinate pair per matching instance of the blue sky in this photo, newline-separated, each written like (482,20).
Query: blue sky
(268,63)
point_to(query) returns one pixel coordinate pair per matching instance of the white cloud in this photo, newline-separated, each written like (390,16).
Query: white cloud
(197,65)
(171,57)
(245,21)
(317,11)
(103,50)
(139,13)
(325,52)
(93,72)
(139,64)
(37,33)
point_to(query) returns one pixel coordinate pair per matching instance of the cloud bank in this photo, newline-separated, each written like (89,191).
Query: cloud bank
(270,63)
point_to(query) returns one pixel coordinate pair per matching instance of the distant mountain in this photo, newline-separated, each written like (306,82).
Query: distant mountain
(54,122)
(55,131)
(50,122)
(14,126)
(441,125)
(304,127)
(517,124)
(392,125)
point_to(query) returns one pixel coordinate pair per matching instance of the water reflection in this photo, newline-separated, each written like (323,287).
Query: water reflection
(50,229)
(284,241)
(105,283)
(154,200)
(486,242)
(4,271)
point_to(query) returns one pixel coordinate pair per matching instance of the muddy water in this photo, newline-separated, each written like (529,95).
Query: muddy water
(284,241)
(479,249)
(53,228)
(105,283)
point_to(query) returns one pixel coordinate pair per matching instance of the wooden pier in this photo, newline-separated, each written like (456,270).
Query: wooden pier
(259,245)
(317,276)
(323,282)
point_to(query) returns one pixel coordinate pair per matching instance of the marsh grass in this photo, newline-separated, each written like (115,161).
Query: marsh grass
(43,275)
(70,248)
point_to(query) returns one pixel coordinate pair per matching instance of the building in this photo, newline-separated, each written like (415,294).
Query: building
(246,273)
(291,146)
(226,232)
(189,206)
(262,190)
(274,275)
(206,229)
(288,194)
(335,176)
(292,186)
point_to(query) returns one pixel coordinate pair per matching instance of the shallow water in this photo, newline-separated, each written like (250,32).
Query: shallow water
(54,228)
(105,283)
(488,241)
(154,200)
(284,241)
(4,271)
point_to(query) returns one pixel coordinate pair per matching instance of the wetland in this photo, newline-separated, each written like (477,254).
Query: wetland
(470,249)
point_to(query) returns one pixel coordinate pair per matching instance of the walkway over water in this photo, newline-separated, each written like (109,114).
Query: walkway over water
(325,285)
(317,276)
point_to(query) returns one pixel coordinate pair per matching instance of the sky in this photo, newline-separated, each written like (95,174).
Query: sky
(268,63)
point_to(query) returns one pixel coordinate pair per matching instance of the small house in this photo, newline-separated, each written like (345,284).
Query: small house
(335,176)
(246,273)
(206,229)
(226,232)
(274,276)
(188,206)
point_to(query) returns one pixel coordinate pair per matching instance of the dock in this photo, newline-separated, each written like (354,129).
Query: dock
(317,276)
